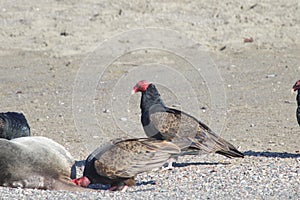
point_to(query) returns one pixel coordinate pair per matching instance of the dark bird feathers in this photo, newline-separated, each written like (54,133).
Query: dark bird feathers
(13,125)
(296,87)
(119,161)
(184,130)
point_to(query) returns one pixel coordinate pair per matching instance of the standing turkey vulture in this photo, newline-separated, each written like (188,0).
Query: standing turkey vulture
(190,134)
(119,161)
(13,125)
(35,162)
(296,87)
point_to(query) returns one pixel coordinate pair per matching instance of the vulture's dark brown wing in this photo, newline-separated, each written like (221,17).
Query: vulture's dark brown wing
(298,115)
(185,130)
(174,123)
(296,87)
(298,102)
(129,157)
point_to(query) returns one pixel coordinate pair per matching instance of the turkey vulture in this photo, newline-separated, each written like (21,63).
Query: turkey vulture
(13,125)
(296,87)
(120,160)
(35,162)
(187,132)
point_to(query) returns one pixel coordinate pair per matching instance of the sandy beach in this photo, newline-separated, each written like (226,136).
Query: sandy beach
(70,66)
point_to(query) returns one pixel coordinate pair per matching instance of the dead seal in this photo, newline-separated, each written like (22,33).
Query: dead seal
(35,162)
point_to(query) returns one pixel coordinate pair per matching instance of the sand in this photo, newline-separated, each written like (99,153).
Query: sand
(70,67)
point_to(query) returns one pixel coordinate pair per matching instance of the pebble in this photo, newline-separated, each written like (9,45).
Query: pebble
(123,119)
(106,110)
(271,75)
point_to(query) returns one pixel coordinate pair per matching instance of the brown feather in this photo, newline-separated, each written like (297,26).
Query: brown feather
(121,160)
(184,130)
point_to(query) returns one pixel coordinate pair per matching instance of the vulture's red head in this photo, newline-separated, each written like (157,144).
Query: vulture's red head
(83,181)
(141,86)
(296,86)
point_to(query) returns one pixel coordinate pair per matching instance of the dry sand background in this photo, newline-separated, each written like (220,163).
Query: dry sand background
(44,47)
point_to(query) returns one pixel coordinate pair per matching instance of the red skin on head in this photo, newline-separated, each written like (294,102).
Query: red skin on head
(83,181)
(141,86)
(296,86)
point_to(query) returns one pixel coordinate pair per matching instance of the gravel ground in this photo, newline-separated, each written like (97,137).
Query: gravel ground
(70,66)
(258,176)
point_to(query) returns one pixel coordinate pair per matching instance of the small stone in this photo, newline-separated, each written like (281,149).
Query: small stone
(124,119)
(271,75)
(106,110)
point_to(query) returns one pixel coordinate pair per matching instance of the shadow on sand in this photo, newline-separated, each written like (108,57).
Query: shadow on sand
(271,154)
(199,163)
